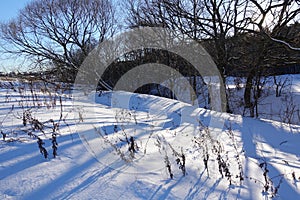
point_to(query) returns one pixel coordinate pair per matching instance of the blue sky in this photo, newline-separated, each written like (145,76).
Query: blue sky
(8,10)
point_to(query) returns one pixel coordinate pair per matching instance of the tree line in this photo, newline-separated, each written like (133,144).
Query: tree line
(244,37)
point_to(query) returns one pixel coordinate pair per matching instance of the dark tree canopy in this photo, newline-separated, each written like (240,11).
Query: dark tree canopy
(247,35)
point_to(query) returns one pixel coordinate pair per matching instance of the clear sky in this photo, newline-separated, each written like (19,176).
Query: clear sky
(8,10)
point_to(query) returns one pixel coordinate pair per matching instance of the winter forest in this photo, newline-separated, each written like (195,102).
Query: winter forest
(150,99)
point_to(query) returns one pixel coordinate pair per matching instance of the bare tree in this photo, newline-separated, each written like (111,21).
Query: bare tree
(255,27)
(268,20)
(59,32)
(271,16)
(188,17)
(206,20)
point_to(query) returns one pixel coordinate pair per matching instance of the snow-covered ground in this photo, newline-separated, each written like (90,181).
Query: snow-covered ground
(258,158)
(283,108)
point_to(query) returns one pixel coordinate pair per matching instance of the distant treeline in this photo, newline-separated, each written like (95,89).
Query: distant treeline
(268,71)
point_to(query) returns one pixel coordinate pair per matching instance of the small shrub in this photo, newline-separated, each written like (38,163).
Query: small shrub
(43,151)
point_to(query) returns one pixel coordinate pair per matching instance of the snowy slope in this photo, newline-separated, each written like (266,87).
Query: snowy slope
(94,161)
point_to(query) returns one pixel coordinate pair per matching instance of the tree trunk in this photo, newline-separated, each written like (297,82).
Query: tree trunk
(247,93)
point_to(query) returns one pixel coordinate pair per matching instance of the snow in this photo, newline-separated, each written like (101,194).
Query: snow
(94,162)
(285,108)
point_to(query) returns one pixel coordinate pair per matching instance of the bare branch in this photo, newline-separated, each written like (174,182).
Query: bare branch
(59,32)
